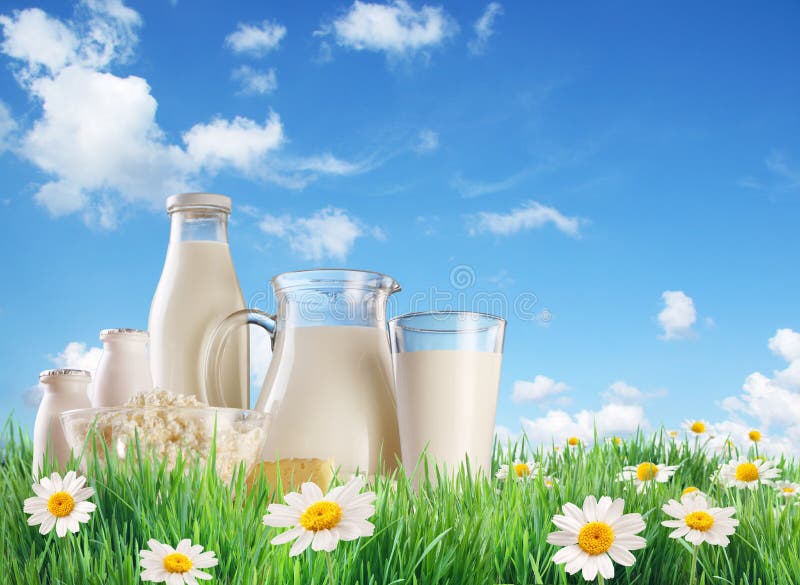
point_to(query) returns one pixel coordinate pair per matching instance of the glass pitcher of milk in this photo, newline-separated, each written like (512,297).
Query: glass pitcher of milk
(329,386)
(197,290)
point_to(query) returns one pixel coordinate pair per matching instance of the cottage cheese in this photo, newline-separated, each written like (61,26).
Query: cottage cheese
(171,426)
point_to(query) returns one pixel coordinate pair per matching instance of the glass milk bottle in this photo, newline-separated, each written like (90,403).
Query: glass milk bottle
(197,290)
(63,390)
(124,368)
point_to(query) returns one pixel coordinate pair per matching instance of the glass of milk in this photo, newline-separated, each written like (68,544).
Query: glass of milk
(447,373)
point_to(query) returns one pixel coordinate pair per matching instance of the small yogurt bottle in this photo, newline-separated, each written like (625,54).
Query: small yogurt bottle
(64,389)
(124,368)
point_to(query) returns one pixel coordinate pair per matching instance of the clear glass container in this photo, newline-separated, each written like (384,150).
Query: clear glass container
(197,290)
(447,374)
(329,386)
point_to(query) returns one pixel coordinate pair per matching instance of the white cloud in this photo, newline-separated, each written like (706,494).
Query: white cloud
(327,233)
(780,165)
(532,215)
(786,344)
(622,393)
(470,188)
(678,315)
(328,164)
(773,404)
(429,224)
(76,355)
(37,39)
(8,128)
(396,29)
(503,434)
(240,143)
(541,388)
(97,136)
(256,40)
(427,141)
(107,33)
(484,28)
(255,82)
(558,425)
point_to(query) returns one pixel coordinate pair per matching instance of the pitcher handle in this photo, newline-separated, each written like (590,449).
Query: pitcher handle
(215,347)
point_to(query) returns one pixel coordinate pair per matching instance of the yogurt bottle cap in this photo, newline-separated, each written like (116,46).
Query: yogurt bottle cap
(65,372)
(123,331)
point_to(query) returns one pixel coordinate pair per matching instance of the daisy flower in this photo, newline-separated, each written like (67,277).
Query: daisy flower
(573,441)
(176,566)
(787,489)
(322,521)
(692,492)
(645,474)
(754,435)
(549,481)
(698,523)
(520,470)
(673,435)
(743,473)
(59,503)
(595,536)
(698,427)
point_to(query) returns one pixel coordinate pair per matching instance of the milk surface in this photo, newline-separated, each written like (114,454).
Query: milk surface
(447,400)
(330,391)
(197,290)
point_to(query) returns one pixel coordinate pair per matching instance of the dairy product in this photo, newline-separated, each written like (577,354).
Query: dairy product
(197,290)
(124,368)
(293,473)
(447,400)
(64,390)
(170,426)
(330,391)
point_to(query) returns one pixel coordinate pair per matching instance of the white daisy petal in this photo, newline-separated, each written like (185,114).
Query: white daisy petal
(301,544)
(605,567)
(590,567)
(562,538)
(288,536)
(621,556)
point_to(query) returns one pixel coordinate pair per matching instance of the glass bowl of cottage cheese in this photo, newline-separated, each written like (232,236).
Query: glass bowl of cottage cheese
(169,428)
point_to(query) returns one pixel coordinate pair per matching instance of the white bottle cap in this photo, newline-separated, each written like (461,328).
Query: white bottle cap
(65,372)
(222,202)
(123,331)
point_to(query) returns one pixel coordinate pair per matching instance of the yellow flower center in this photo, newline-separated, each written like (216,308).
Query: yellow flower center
(646,471)
(698,427)
(573,441)
(595,538)
(60,504)
(788,490)
(177,563)
(521,469)
(754,435)
(747,472)
(689,490)
(673,434)
(700,520)
(321,516)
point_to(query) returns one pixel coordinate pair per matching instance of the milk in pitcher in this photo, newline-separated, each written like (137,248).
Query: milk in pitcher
(332,397)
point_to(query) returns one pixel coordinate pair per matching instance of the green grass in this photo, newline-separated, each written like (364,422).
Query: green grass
(458,532)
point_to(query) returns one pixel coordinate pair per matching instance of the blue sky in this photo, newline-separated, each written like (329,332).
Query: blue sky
(595,156)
